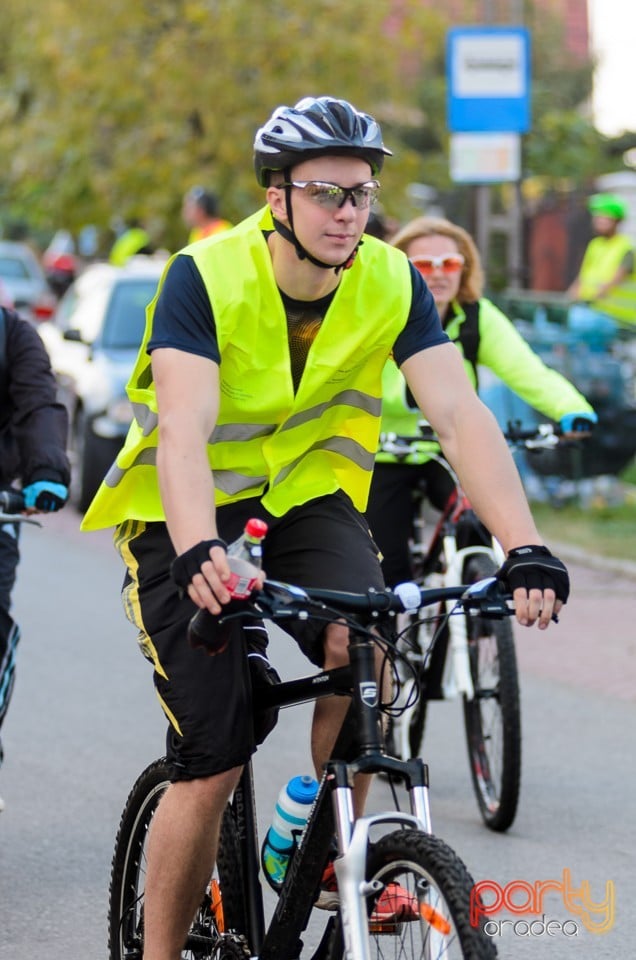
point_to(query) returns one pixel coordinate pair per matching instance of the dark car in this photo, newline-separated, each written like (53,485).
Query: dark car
(93,343)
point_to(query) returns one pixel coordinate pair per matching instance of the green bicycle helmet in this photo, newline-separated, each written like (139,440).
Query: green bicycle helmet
(316,126)
(607,205)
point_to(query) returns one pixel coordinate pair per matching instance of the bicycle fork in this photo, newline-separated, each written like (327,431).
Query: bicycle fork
(457,677)
(353,887)
(353,835)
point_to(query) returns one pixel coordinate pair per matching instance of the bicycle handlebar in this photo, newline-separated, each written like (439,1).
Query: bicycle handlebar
(278,601)
(538,437)
(11,501)
(281,600)
(11,507)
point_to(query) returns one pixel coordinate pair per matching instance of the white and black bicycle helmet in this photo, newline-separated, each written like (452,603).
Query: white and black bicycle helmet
(316,126)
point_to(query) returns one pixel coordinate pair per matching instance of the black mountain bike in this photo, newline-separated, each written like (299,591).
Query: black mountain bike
(402,891)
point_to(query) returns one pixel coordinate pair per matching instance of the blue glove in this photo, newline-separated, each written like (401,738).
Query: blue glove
(45,495)
(578,422)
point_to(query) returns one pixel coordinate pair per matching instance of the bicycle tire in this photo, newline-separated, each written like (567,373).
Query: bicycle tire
(209,936)
(492,719)
(435,923)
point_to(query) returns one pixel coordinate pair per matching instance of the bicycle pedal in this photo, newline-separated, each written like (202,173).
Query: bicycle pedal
(390,926)
(384,927)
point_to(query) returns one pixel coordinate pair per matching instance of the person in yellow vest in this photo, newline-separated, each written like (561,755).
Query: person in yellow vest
(200,212)
(446,256)
(607,275)
(132,241)
(257,392)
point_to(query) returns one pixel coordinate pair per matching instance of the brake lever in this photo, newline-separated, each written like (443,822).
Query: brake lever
(19,518)
(281,599)
(486,597)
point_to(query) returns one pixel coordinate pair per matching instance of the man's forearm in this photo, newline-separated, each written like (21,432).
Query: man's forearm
(480,456)
(187,491)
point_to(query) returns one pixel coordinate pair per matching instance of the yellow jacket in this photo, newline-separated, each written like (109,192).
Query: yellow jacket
(503,350)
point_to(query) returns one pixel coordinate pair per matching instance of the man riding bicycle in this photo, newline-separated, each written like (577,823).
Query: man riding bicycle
(257,393)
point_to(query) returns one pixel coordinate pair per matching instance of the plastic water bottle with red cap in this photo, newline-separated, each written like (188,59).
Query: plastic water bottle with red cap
(242,555)
(289,821)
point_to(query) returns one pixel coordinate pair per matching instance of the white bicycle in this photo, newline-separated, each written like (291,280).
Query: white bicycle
(469,656)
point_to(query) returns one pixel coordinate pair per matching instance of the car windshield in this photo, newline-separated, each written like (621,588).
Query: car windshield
(11,268)
(126,315)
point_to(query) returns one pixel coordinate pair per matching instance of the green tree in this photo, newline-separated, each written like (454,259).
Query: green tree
(116,109)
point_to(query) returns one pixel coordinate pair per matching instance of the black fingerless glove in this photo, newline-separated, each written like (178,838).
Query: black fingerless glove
(534,568)
(187,564)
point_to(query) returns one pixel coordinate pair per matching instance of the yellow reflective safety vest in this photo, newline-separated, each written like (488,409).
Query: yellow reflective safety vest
(601,260)
(267,441)
(127,245)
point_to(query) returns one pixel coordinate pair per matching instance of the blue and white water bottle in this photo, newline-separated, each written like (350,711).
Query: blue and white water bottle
(290,816)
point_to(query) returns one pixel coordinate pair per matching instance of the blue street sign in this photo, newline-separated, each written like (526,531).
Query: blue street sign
(488,79)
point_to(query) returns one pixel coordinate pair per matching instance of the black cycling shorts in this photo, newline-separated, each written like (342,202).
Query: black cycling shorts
(324,543)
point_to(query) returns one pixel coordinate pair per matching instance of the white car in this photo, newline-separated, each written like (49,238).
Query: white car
(23,283)
(93,343)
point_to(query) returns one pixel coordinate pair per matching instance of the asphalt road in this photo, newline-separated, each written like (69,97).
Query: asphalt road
(84,721)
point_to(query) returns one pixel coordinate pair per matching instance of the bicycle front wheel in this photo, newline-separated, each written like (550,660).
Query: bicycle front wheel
(422,908)
(218,928)
(493,718)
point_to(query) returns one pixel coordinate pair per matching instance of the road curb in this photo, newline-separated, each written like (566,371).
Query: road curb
(568,552)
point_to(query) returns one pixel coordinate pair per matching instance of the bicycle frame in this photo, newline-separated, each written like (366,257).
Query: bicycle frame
(443,562)
(431,869)
(331,813)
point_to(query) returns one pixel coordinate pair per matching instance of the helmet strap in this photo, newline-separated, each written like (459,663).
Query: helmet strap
(289,234)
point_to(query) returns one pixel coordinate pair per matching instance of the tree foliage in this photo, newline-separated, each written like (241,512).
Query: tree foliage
(116,109)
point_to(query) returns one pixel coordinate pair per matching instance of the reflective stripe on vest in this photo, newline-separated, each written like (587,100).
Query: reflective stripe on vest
(290,448)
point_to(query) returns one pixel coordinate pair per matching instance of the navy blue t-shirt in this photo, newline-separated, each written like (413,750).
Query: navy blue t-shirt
(183,318)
